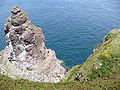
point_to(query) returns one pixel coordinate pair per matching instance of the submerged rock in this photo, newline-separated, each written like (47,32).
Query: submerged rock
(26,55)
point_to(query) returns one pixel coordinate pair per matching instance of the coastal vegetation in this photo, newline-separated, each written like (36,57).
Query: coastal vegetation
(111,83)
(100,71)
(104,62)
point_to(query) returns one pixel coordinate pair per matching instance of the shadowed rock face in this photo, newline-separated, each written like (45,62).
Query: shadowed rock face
(26,55)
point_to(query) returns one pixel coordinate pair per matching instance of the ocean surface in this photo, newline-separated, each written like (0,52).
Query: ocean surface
(71,27)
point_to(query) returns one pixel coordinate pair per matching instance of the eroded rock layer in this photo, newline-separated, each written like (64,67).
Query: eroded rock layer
(26,55)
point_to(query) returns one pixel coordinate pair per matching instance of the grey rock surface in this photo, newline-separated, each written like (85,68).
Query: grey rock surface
(26,55)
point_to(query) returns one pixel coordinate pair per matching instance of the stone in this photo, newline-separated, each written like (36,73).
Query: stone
(26,55)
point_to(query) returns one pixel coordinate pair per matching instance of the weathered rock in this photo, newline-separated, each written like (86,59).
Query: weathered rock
(26,55)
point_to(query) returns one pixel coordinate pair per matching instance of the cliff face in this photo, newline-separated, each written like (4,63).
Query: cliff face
(104,62)
(26,55)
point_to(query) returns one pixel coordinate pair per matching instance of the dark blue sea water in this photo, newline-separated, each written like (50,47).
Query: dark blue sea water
(72,27)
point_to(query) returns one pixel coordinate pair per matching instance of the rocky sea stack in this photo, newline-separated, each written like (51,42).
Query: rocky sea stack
(26,55)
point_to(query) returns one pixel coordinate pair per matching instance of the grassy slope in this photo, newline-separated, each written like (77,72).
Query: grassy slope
(7,83)
(106,76)
(70,76)
(104,62)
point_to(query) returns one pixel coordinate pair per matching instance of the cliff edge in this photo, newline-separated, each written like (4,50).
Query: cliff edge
(26,55)
(103,63)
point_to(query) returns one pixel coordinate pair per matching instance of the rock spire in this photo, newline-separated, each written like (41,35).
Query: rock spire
(26,55)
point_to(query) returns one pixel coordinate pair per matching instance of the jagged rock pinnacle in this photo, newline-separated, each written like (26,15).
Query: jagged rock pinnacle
(26,55)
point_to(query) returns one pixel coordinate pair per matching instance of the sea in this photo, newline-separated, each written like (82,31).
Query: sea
(72,28)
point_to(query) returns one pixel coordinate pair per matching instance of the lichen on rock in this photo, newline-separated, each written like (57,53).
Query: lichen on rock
(26,55)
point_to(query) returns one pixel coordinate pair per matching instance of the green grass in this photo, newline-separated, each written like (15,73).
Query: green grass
(101,70)
(7,83)
(109,67)
(104,62)
(70,76)
(109,57)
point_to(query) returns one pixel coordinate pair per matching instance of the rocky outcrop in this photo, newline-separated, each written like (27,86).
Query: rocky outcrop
(26,55)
